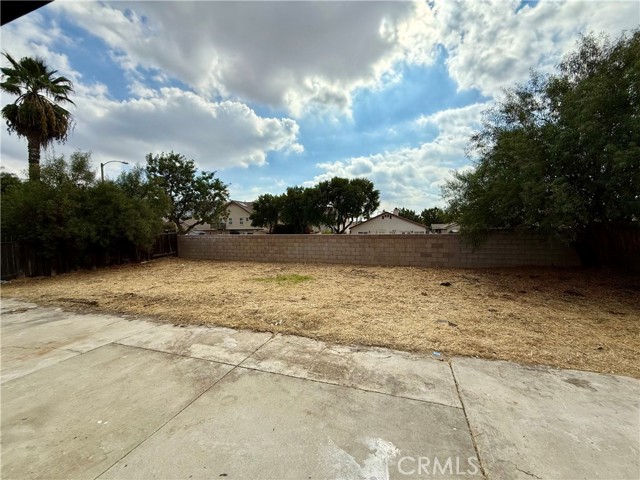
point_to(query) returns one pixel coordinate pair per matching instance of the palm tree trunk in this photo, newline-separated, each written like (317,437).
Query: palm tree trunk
(34,159)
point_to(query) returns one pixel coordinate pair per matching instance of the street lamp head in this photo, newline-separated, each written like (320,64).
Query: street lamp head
(110,161)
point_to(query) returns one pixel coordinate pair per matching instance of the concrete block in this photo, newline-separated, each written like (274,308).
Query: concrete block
(94,408)
(218,344)
(51,337)
(537,422)
(260,425)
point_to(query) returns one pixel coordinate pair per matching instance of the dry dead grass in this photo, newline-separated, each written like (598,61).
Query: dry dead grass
(587,320)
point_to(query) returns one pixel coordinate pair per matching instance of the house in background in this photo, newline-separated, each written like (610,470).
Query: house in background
(445,228)
(239,218)
(238,221)
(387,224)
(202,229)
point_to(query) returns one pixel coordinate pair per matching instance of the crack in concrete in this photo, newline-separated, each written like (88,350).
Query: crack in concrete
(60,349)
(523,471)
(528,473)
(71,350)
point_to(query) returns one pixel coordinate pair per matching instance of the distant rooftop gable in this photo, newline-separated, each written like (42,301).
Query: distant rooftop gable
(422,225)
(452,227)
(246,206)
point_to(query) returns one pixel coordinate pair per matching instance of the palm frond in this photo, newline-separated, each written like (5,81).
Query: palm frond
(11,88)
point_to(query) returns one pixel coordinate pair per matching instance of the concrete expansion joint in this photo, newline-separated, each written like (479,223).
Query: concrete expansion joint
(172,417)
(466,417)
(342,385)
(273,335)
(134,333)
(138,347)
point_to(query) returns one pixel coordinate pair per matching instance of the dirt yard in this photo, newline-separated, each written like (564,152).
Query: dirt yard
(586,320)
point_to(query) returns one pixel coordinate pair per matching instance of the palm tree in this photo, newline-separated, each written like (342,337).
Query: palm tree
(36,114)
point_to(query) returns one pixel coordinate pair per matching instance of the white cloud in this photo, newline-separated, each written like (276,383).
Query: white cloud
(297,55)
(305,57)
(217,134)
(310,56)
(491,47)
(256,186)
(413,177)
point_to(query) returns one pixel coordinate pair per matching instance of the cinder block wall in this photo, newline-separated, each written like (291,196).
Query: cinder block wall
(499,250)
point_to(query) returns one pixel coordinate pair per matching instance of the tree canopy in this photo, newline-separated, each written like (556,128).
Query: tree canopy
(428,216)
(69,215)
(201,198)
(335,204)
(434,215)
(343,201)
(266,211)
(409,215)
(37,114)
(561,153)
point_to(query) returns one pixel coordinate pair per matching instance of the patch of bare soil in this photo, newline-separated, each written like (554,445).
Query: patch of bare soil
(581,319)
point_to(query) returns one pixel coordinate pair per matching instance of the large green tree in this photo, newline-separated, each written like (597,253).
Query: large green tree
(335,203)
(300,210)
(346,200)
(71,218)
(200,198)
(433,215)
(8,181)
(37,114)
(266,211)
(561,154)
(409,214)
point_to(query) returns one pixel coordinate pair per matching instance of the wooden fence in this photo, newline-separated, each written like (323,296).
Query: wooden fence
(166,245)
(9,259)
(22,260)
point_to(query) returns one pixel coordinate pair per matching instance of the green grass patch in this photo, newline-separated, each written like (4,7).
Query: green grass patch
(289,279)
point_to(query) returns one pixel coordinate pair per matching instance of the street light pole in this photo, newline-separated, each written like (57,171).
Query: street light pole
(105,163)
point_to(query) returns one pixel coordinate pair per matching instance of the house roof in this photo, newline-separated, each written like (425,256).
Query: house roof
(393,215)
(190,221)
(246,206)
(443,226)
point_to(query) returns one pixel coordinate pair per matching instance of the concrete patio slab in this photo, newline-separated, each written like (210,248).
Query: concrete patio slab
(260,425)
(12,312)
(537,422)
(38,338)
(78,417)
(209,343)
(9,304)
(368,368)
(292,408)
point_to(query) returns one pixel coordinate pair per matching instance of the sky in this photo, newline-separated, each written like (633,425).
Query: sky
(275,94)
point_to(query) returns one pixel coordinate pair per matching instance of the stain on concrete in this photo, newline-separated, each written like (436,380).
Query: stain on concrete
(374,466)
(580,382)
(17,310)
